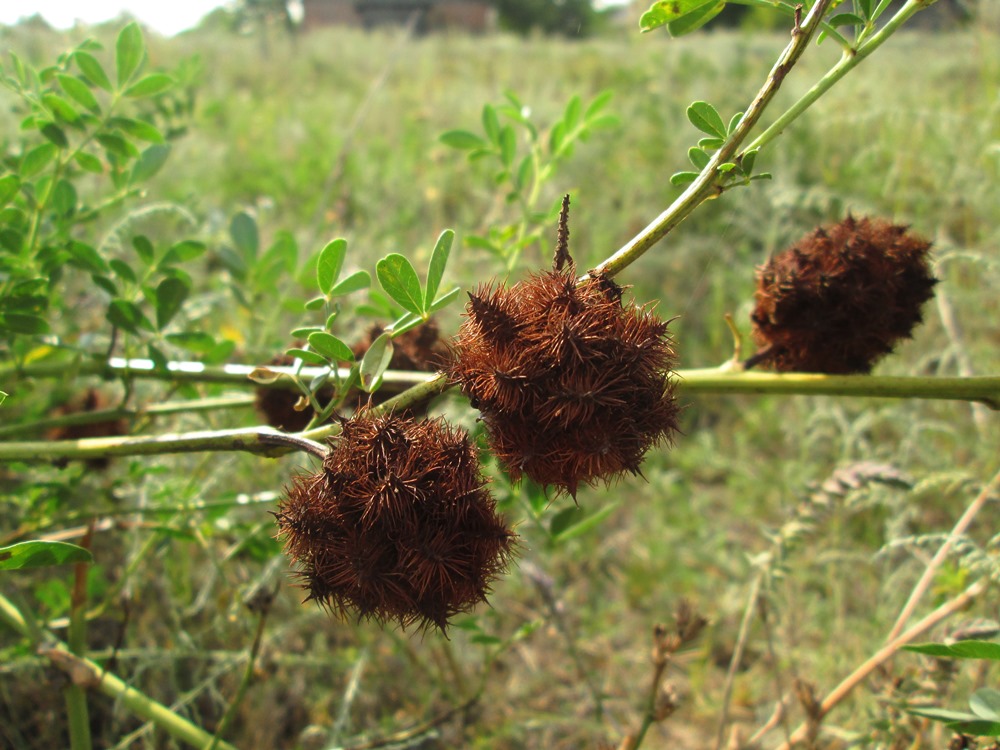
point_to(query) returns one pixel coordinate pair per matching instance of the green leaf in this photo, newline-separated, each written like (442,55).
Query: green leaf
(38,554)
(151,85)
(88,162)
(977,728)
(330,347)
(86,257)
(243,231)
(193,341)
(747,161)
(60,108)
(696,19)
(985,703)
(573,113)
(170,296)
(9,185)
(711,142)
(183,251)
(846,19)
(400,282)
(307,356)
(705,117)
(376,362)
(64,198)
(971,649)
(127,316)
(444,300)
(79,92)
(158,358)
(663,12)
(92,70)
(304,331)
(316,303)
(491,123)
(144,249)
(438,262)
(329,263)
(117,145)
(150,162)
(734,122)
(599,102)
(137,129)
(353,283)
(698,157)
(683,178)
(462,139)
(576,525)
(123,270)
(129,51)
(37,159)
(508,145)
(55,134)
(24,323)
(941,714)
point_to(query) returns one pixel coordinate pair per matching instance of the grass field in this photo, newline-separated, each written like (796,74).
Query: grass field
(336,134)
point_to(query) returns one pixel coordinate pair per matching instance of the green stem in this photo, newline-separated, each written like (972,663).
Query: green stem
(85,671)
(706,184)
(185,372)
(271,443)
(76,696)
(838,71)
(241,691)
(109,415)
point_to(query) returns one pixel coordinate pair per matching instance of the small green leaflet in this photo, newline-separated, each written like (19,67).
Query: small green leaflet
(38,554)
(665,11)
(329,263)
(435,269)
(330,346)
(970,649)
(129,51)
(705,117)
(376,362)
(400,282)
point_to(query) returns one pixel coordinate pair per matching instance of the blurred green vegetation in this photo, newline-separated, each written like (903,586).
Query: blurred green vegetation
(335,134)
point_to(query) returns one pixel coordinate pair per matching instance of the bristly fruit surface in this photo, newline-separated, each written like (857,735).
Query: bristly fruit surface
(574,387)
(398,525)
(842,297)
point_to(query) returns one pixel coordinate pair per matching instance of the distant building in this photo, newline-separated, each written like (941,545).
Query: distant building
(476,16)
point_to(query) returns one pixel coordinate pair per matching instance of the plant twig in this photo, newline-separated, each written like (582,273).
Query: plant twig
(264,441)
(86,673)
(737,658)
(990,491)
(847,685)
(706,184)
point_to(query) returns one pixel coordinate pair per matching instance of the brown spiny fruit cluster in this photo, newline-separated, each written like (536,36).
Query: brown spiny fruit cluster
(573,385)
(398,525)
(839,299)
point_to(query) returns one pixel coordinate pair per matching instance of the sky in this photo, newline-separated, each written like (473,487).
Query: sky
(168,17)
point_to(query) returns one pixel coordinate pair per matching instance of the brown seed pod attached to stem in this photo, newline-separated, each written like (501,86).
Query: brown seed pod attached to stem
(398,525)
(841,298)
(574,386)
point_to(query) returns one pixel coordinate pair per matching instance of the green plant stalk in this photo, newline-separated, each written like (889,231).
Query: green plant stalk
(84,670)
(184,372)
(706,184)
(838,71)
(76,697)
(107,415)
(269,442)
(241,691)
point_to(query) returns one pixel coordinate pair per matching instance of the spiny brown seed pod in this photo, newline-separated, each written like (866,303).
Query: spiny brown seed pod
(839,299)
(573,385)
(398,525)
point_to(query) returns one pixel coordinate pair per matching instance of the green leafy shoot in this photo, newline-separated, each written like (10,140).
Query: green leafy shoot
(665,12)
(39,554)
